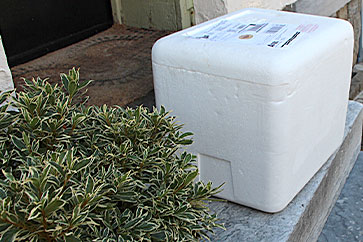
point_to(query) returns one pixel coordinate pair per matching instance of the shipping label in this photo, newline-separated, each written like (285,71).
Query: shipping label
(273,35)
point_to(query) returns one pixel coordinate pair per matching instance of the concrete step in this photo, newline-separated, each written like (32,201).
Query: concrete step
(345,222)
(304,218)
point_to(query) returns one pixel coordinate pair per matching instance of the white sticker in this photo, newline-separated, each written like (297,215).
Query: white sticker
(273,35)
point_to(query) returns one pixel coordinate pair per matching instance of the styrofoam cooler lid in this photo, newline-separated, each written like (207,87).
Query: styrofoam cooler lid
(258,45)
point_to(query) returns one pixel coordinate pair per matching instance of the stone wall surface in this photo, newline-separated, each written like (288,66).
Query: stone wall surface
(158,14)
(6,80)
(356,85)
(319,7)
(206,10)
(234,5)
(352,12)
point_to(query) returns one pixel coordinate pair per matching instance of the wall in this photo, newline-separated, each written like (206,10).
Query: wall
(116,11)
(233,5)
(352,12)
(149,14)
(156,14)
(319,7)
(205,10)
(6,81)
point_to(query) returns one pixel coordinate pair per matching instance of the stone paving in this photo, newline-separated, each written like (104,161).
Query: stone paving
(118,60)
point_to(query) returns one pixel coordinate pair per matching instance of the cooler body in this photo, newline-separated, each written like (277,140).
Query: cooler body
(264,92)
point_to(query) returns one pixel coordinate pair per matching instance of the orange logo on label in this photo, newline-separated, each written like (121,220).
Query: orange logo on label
(246,36)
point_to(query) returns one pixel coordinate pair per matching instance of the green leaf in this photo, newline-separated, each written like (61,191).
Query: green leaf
(26,139)
(65,80)
(17,142)
(6,121)
(26,115)
(2,194)
(34,213)
(191,176)
(162,109)
(72,238)
(77,119)
(72,88)
(85,84)
(186,216)
(32,196)
(57,167)
(34,123)
(8,175)
(132,223)
(69,158)
(48,88)
(82,164)
(185,142)
(159,236)
(4,96)
(53,206)
(4,226)
(89,185)
(9,235)
(147,226)
(126,197)
(186,135)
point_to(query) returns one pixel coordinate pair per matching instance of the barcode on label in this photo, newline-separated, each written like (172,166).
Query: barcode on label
(275,29)
(221,26)
(255,27)
(236,28)
(242,26)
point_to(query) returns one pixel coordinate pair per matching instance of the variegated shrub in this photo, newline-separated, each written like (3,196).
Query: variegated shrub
(77,173)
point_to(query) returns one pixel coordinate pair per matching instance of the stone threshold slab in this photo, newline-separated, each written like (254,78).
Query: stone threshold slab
(304,218)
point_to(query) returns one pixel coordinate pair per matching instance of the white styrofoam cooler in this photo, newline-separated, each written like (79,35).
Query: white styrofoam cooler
(265,93)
